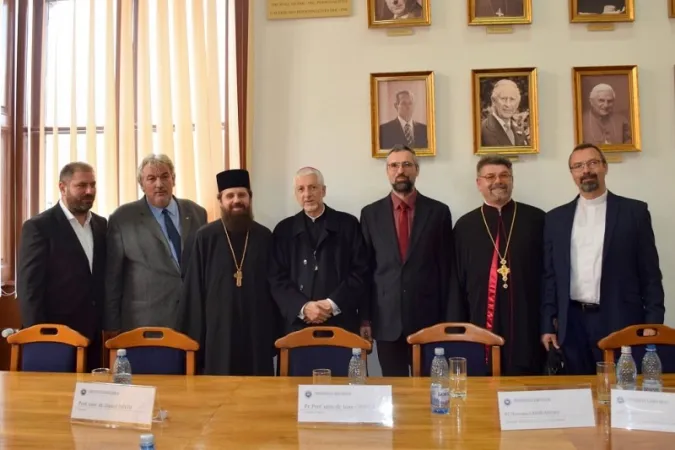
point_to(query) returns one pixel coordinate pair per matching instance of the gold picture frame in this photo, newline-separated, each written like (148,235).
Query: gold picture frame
(483,12)
(505,111)
(595,12)
(397,118)
(606,107)
(671,9)
(414,13)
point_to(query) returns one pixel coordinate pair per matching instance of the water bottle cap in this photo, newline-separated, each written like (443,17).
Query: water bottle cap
(439,351)
(651,347)
(625,349)
(121,352)
(356,352)
(147,439)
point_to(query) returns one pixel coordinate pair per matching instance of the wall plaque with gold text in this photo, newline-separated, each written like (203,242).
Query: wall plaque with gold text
(307,9)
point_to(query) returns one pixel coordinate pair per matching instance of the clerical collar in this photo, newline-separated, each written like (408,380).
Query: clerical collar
(314,219)
(594,201)
(506,205)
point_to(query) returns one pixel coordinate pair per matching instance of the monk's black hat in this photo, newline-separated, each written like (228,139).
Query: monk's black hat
(232,179)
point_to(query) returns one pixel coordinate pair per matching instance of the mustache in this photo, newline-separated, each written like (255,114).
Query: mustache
(498,186)
(589,177)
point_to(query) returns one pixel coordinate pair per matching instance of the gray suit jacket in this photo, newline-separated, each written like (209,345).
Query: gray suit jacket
(143,281)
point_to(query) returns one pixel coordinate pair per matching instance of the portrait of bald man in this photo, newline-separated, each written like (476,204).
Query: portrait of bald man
(505,114)
(499,8)
(601,6)
(398,9)
(604,123)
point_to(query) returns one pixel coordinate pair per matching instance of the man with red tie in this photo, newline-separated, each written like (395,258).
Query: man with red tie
(409,241)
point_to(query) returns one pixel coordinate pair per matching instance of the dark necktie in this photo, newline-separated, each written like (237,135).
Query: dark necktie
(174,237)
(403,230)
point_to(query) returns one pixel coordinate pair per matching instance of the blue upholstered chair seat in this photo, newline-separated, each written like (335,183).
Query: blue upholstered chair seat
(48,357)
(303,360)
(473,352)
(156,360)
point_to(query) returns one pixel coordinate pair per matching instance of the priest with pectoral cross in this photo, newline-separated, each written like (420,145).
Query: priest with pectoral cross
(496,283)
(227,304)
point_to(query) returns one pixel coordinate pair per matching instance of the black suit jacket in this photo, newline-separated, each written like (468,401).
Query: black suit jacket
(54,282)
(631,290)
(408,295)
(391,134)
(492,134)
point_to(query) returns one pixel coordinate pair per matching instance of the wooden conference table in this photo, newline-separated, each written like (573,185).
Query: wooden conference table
(260,413)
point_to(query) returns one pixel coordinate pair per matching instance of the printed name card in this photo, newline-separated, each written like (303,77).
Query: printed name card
(345,404)
(536,410)
(643,410)
(113,404)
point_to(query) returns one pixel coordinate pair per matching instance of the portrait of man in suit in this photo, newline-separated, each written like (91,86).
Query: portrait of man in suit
(601,6)
(398,9)
(504,112)
(605,117)
(499,8)
(407,128)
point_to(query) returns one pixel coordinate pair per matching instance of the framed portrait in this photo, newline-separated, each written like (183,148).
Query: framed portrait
(402,112)
(499,12)
(505,112)
(606,107)
(398,13)
(671,8)
(602,11)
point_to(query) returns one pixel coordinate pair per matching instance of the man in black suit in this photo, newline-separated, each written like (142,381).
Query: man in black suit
(409,242)
(403,130)
(500,129)
(601,266)
(600,6)
(61,261)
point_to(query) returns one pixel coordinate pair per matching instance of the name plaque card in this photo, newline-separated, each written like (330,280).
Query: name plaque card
(545,409)
(113,404)
(345,404)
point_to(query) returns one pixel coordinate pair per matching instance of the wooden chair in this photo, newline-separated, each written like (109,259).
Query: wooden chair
(445,335)
(319,347)
(156,351)
(48,348)
(632,336)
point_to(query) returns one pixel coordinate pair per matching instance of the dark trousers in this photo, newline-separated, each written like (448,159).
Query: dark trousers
(395,358)
(95,352)
(584,330)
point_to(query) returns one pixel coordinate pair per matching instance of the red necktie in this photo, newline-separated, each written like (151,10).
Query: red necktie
(403,230)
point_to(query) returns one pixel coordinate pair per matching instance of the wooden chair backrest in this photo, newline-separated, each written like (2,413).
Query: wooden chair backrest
(319,336)
(154,337)
(439,333)
(630,336)
(48,332)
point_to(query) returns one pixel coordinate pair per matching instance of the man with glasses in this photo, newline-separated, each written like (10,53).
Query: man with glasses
(601,266)
(497,277)
(408,237)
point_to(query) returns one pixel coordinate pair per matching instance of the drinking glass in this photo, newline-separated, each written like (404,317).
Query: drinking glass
(101,375)
(606,377)
(458,377)
(321,376)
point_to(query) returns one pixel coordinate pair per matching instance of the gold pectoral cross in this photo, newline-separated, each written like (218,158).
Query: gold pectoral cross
(504,271)
(239,276)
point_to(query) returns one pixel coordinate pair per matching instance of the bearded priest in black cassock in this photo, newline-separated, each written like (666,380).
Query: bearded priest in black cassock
(497,279)
(228,307)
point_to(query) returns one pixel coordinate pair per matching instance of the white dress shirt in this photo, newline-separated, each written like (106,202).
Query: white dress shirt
(83,233)
(588,236)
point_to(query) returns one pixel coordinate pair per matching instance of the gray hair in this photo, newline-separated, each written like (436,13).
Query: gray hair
(155,160)
(69,170)
(602,87)
(405,92)
(310,171)
(403,148)
(502,85)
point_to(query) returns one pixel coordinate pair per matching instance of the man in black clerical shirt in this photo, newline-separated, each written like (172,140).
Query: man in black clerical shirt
(227,304)
(496,282)
(319,266)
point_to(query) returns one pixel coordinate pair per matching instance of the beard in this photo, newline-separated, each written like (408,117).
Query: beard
(237,221)
(589,183)
(403,186)
(79,205)
(500,192)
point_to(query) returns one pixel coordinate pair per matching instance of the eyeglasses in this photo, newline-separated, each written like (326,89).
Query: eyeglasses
(592,164)
(404,164)
(492,177)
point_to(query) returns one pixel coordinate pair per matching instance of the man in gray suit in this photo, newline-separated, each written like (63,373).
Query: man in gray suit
(149,244)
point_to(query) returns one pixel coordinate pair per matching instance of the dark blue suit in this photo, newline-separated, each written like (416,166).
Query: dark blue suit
(631,290)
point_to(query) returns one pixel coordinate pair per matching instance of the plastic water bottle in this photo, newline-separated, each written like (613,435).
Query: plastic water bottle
(626,371)
(440,383)
(147,442)
(651,370)
(357,368)
(122,368)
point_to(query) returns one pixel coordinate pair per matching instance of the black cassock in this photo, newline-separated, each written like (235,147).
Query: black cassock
(478,292)
(235,326)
